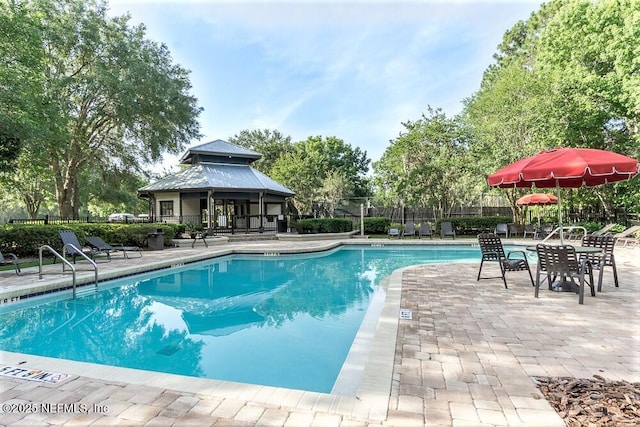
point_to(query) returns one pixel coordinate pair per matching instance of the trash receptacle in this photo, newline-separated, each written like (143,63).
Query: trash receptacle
(155,239)
(282,225)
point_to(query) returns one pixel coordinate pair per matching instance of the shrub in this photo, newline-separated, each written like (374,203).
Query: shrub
(475,224)
(618,228)
(323,225)
(376,225)
(25,240)
(590,226)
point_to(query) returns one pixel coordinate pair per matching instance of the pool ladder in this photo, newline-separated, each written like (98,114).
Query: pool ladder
(66,263)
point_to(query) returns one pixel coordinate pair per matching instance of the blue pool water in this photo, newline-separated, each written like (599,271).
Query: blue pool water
(286,321)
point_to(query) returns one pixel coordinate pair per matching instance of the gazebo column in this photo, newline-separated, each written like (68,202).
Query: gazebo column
(261,209)
(210,205)
(247,211)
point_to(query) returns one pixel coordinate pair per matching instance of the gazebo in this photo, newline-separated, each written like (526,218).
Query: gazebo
(219,190)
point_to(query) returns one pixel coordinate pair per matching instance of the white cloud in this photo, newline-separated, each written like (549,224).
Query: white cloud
(355,69)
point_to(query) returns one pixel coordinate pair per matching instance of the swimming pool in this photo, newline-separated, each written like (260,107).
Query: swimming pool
(286,321)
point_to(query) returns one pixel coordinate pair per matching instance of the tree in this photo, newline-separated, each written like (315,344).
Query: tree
(271,144)
(20,81)
(568,76)
(426,166)
(112,96)
(310,162)
(335,188)
(509,117)
(31,183)
(296,172)
(590,51)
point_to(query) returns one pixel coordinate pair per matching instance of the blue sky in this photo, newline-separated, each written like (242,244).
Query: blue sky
(355,70)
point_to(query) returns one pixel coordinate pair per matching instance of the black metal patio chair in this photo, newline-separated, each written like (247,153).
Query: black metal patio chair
(493,251)
(561,262)
(604,259)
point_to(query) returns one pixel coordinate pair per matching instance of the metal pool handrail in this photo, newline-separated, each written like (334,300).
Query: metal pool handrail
(569,229)
(65,262)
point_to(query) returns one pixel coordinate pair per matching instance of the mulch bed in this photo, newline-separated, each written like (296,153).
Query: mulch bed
(592,402)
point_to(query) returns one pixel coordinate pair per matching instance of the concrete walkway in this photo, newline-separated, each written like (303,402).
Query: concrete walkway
(466,357)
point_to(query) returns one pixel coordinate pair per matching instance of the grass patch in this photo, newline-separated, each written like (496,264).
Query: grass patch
(27,263)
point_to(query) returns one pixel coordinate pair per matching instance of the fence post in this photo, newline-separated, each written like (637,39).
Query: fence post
(46,219)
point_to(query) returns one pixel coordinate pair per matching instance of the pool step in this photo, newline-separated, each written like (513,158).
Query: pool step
(86,290)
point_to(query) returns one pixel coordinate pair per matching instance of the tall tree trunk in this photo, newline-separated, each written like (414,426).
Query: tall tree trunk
(68,194)
(32,204)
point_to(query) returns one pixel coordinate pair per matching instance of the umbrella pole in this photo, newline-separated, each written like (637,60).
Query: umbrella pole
(559,212)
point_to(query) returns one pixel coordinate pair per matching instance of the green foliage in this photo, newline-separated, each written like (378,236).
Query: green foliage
(618,228)
(21,104)
(475,225)
(565,77)
(25,239)
(323,225)
(427,166)
(590,226)
(306,167)
(112,97)
(271,144)
(376,225)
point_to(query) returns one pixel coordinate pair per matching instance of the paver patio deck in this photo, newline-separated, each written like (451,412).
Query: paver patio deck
(466,357)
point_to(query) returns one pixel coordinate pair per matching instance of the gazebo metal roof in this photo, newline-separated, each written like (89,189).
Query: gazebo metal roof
(219,148)
(218,176)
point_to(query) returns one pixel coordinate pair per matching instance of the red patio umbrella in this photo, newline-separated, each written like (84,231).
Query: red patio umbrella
(566,168)
(537,199)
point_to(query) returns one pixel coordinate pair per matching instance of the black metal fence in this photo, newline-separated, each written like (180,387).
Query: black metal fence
(417,215)
(53,220)
(252,223)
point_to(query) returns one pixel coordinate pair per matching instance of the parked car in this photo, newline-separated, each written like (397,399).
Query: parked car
(143,218)
(121,217)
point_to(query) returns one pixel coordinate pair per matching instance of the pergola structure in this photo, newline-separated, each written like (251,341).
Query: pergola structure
(219,190)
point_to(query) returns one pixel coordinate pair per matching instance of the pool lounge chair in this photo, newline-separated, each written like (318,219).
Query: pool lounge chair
(446,230)
(425,230)
(97,243)
(502,229)
(73,248)
(604,230)
(409,230)
(492,250)
(393,232)
(627,236)
(12,260)
(529,229)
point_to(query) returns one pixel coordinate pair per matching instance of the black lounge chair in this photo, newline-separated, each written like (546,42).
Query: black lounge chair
(425,230)
(97,243)
(529,229)
(12,260)
(502,228)
(409,230)
(492,250)
(446,229)
(73,248)
(561,262)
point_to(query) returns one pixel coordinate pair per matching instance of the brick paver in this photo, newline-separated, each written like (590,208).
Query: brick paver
(465,358)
